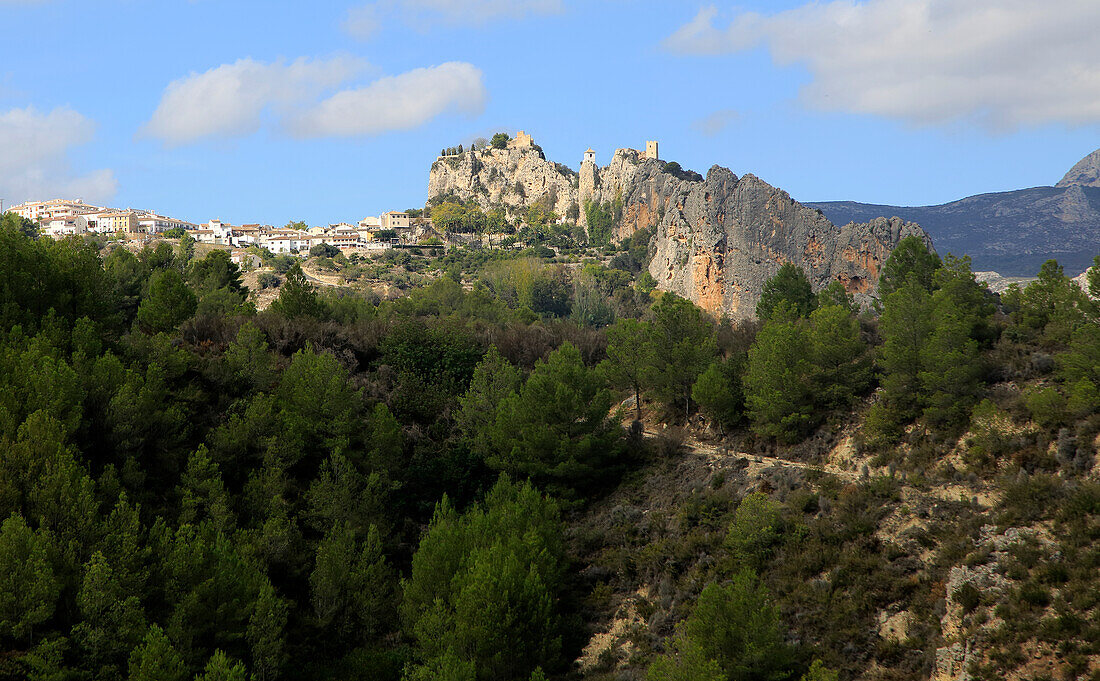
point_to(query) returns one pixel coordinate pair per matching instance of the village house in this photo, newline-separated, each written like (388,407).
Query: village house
(157,224)
(61,227)
(288,241)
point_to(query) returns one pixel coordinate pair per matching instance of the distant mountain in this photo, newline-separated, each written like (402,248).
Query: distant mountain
(1012,233)
(1086,173)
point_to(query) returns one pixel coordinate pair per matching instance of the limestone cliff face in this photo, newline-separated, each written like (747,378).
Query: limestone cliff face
(520,176)
(716,240)
(515,177)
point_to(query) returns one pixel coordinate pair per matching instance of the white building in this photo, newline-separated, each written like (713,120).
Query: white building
(288,241)
(342,235)
(61,227)
(157,224)
(93,221)
(247,235)
(54,208)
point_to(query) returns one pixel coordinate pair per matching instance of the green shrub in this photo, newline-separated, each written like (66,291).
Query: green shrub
(968,597)
(1047,406)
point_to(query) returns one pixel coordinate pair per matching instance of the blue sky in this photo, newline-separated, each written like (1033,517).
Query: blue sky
(330,111)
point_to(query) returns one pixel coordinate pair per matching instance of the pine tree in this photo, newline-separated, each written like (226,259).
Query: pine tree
(685,661)
(265,633)
(629,348)
(733,634)
(28,588)
(187,249)
(719,393)
(842,365)
(221,668)
(790,286)
(779,390)
(125,547)
(156,659)
(112,621)
(951,368)
(905,327)
(910,259)
(484,586)
(202,493)
(836,294)
(249,360)
(297,297)
(755,530)
(352,585)
(340,493)
(736,625)
(168,302)
(555,429)
(682,347)
(495,378)
(331,580)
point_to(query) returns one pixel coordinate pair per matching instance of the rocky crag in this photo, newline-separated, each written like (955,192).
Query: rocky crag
(1085,173)
(514,177)
(715,241)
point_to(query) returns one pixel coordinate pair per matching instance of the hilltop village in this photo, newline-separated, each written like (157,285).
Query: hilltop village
(60,218)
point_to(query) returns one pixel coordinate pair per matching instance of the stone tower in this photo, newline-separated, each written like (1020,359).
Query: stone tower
(651,149)
(521,141)
(586,185)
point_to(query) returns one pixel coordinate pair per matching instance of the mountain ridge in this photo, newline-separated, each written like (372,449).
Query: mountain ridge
(1011,232)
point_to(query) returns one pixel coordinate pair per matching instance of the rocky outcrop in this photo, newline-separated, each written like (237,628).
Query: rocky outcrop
(716,240)
(1085,173)
(967,640)
(514,177)
(721,239)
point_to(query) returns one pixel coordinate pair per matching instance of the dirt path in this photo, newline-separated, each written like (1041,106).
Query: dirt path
(723,457)
(719,457)
(322,279)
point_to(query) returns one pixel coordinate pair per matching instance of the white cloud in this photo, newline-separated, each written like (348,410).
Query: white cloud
(35,159)
(1006,63)
(230,100)
(397,102)
(714,123)
(477,11)
(364,21)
